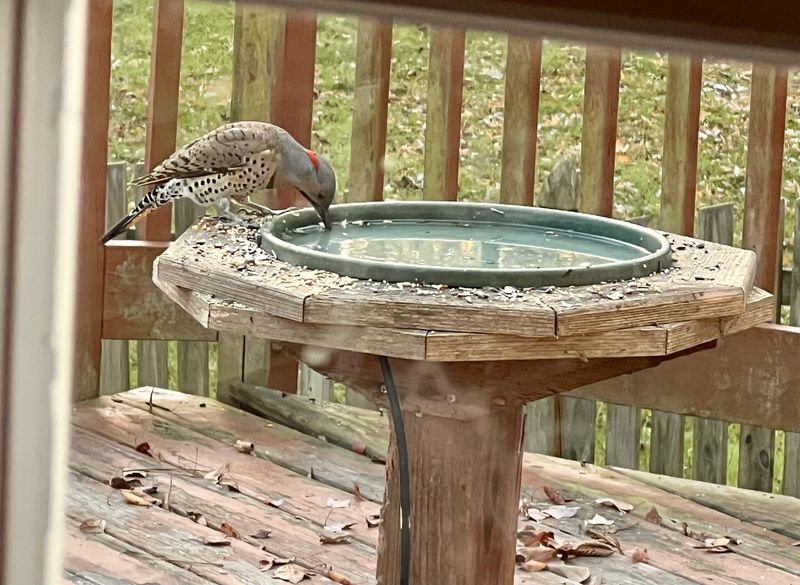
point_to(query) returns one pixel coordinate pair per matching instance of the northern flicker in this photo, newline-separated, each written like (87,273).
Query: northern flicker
(231,163)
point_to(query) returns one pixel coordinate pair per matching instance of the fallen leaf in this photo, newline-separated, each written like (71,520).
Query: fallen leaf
(229,483)
(639,555)
(244,446)
(138,499)
(338,577)
(535,514)
(532,537)
(334,503)
(265,564)
(340,539)
(586,548)
(653,516)
(216,541)
(93,526)
(357,492)
(120,483)
(554,495)
(611,503)
(283,560)
(291,573)
(215,474)
(229,530)
(542,554)
(134,473)
(604,537)
(795,543)
(374,520)
(718,544)
(559,512)
(571,572)
(339,527)
(263,533)
(533,566)
(144,448)
(197,517)
(275,503)
(597,519)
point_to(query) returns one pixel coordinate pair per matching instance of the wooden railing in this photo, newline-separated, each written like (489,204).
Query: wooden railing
(274,59)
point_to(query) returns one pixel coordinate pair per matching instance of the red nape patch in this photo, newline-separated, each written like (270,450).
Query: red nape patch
(313,158)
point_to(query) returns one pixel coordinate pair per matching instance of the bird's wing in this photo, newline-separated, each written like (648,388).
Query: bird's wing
(221,150)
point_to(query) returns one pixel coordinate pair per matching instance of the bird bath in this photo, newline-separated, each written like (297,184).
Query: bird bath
(468,244)
(466,358)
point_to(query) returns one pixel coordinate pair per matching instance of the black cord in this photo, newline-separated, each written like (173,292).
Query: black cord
(402,457)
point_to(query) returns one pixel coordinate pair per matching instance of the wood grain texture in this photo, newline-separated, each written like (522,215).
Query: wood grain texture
(542,430)
(443,114)
(666,444)
(257,44)
(94,156)
(754,369)
(756,458)
(370,110)
(599,131)
(679,166)
(715,223)
(623,435)
(764,166)
(134,308)
(230,364)
(791,464)
(162,112)
(115,359)
(520,120)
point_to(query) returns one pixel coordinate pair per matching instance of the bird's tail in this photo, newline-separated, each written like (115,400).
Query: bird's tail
(148,203)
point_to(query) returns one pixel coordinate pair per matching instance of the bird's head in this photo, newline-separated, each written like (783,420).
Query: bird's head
(311,174)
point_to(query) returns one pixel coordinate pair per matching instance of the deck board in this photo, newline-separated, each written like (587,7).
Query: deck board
(190,435)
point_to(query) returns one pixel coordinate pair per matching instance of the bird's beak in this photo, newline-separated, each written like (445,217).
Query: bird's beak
(324,214)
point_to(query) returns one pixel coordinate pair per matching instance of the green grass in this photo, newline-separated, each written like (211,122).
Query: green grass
(205,90)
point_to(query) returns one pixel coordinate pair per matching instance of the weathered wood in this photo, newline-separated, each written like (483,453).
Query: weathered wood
(759,384)
(443,114)
(599,131)
(623,435)
(764,166)
(777,513)
(682,121)
(162,113)
(256,360)
(441,492)
(133,307)
(715,223)
(357,429)
(370,110)
(666,444)
(307,456)
(756,458)
(193,374)
(94,157)
(230,364)
(542,431)
(315,385)
(520,120)
(791,465)
(257,40)
(115,364)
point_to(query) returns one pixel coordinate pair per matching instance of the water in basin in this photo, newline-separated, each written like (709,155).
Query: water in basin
(462,245)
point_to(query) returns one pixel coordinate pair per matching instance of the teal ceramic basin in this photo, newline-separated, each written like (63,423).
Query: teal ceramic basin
(467,244)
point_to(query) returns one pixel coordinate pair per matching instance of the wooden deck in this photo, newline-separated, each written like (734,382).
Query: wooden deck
(292,484)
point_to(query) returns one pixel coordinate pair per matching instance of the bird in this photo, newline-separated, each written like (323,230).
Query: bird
(229,164)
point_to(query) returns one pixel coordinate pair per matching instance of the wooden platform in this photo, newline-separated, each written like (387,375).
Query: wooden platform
(292,485)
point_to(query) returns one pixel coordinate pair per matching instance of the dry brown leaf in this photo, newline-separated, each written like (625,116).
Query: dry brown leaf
(93,526)
(138,499)
(275,503)
(283,560)
(639,555)
(559,512)
(120,483)
(611,503)
(216,541)
(261,534)
(229,483)
(374,520)
(229,530)
(535,514)
(531,537)
(586,548)
(265,564)
(533,566)
(197,517)
(570,572)
(290,572)
(134,473)
(334,503)
(598,520)
(542,554)
(244,446)
(153,489)
(340,539)
(653,516)
(339,527)
(554,495)
(215,474)
(604,537)
(357,492)
(338,577)
(144,448)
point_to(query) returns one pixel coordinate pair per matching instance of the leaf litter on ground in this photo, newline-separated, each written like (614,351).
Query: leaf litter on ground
(93,526)
(611,503)
(290,572)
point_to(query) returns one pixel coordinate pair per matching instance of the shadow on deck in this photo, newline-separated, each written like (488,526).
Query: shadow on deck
(218,504)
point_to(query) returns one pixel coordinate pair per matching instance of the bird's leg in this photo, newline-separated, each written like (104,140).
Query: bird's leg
(223,206)
(263,209)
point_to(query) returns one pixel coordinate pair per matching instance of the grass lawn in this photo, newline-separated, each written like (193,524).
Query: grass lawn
(206,88)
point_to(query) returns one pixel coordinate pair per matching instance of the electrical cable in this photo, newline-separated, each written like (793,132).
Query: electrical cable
(402,457)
